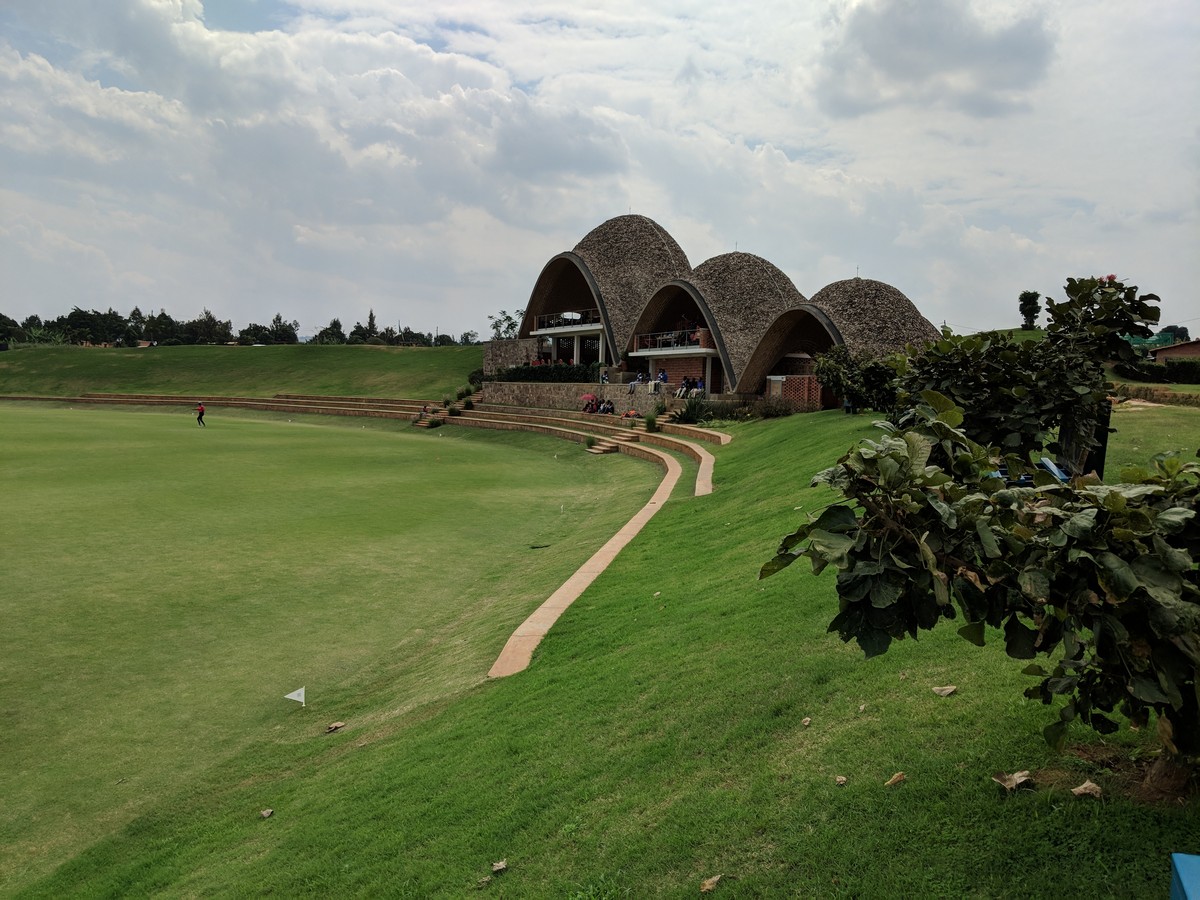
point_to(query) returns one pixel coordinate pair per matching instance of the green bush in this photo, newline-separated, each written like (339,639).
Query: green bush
(730,410)
(553,374)
(693,412)
(455,411)
(773,408)
(476,377)
(590,442)
(468,403)
(375,341)
(651,420)
(434,422)
(1142,371)
(446,400)
(1183,371)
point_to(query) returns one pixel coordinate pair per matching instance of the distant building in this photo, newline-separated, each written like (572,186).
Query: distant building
(1177,351)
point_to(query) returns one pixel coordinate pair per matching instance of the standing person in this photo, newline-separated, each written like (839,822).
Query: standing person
(200,415)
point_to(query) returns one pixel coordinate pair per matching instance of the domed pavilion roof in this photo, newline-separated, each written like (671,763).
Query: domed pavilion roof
(873,318)
(746,293)
(629,257)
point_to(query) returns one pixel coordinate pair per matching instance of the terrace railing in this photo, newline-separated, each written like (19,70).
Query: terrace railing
(700,338)
(568,319)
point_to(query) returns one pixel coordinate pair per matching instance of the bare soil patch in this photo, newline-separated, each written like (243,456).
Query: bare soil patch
(1149,779)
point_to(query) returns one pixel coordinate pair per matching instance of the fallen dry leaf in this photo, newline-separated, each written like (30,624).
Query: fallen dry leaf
(658,593)
(945,691)
(267,813)
(708,885)
(501,866)
(1013,781)
(334,726)
(1087,789)
(806,721)
(841,780)
(903,675)
(483,882)
(863,708)
(894,780)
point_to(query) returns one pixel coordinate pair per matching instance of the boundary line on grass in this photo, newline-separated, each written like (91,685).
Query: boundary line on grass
(518,651)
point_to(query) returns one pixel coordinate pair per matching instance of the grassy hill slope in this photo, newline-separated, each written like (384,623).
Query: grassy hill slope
(683,720)
(369,371)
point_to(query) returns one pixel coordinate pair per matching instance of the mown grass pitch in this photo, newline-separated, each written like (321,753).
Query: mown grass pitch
(164,585)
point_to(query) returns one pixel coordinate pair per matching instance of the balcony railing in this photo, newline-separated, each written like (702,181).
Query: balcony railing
(569,319)
(700,338)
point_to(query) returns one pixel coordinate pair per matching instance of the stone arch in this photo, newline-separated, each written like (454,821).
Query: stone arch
(802,329)
(678,299)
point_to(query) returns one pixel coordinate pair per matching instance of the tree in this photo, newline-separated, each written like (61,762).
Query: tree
(869,384)
(467,338)
(1029,309)
(330,334)
(9,328)
(365,332)
(414,338)
(1106,574)
(1179,332)
(284,332)
(254,334)
(444,340)
(206,329)
(160,328)
(506,326)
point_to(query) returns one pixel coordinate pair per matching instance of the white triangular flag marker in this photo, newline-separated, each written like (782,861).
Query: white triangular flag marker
(296,695)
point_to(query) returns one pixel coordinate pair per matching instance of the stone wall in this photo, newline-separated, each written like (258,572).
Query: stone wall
(499,355)
(566,396)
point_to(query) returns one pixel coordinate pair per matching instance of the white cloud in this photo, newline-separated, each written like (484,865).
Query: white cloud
(427,160)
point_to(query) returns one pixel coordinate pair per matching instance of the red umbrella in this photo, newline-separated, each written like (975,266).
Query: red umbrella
(586,397)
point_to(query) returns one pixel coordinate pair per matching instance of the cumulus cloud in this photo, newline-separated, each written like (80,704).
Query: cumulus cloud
(932,53)
(322,157)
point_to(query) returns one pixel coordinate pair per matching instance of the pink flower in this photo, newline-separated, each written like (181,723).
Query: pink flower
(1111,278)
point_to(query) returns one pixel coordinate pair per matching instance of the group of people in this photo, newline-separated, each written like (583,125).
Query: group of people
(690,388)
(655,384)
(603,407)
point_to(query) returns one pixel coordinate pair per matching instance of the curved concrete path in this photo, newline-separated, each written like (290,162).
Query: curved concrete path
(518,651)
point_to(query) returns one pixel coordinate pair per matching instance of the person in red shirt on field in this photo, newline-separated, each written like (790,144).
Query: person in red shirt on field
(200,415)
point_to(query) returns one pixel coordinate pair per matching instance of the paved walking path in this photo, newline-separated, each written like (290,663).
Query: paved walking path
(518,651)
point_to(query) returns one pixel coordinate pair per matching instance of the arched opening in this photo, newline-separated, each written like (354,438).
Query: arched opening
(677,334)
(782,363)
(566,315)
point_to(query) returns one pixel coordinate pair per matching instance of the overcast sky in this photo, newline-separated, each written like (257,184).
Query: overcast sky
(321,158)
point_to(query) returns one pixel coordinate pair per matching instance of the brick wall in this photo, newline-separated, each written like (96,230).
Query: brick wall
(803,391)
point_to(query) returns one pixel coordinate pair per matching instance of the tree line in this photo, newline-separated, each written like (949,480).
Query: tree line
(81,326)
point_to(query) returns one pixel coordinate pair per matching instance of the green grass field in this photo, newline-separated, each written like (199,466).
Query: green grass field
(165,586)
